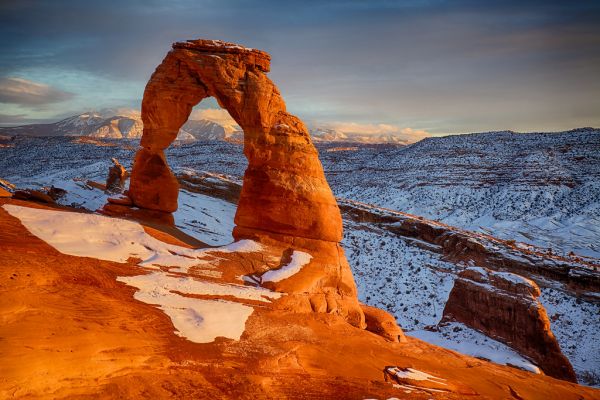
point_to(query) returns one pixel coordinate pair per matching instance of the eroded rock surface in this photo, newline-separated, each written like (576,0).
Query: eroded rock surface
(505,306)
(102,340)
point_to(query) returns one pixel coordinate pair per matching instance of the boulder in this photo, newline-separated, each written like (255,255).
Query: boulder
(33,195)
(382,323)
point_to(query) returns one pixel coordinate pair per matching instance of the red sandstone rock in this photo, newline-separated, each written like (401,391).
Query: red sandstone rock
(121,200)
(56,193)
(324,285)
(285,199)
(116,177)
(382,324)
(124,211)
(153,185)
(96,185)
(505,306)
(34,195)
(285,190)
(4,193)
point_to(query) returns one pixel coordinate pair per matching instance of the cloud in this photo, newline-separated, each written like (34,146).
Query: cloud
(28,93)
(217,115)
(7,119)
(353,128)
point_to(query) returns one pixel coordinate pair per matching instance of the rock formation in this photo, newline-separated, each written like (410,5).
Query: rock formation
(383,324)
(115,182)
(505,306)
(285,199)
(33,195)
(284,191)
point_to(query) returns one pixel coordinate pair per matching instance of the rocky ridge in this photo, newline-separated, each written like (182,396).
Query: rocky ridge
(505,306)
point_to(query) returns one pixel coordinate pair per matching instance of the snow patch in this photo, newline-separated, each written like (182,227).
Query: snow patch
(299,260)
(200,321)
(414,374)
(164,282)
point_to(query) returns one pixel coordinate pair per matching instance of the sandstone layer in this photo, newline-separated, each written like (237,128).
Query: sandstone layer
(505,306)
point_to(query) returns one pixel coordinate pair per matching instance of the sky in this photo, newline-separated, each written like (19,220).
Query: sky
(377,66)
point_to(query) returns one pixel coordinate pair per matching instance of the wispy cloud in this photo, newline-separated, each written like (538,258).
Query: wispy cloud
(353,128)
(28,93)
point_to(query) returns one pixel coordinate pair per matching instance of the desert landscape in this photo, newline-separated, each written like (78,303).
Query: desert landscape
(240,251)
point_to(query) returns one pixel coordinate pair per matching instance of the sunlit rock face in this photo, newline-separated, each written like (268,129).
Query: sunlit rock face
(506,307)
(285,198)
(285,190)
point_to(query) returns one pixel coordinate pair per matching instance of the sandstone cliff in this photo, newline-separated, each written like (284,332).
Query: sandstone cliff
(505,306)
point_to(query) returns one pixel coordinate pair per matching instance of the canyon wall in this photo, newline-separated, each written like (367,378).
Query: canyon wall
(505,306)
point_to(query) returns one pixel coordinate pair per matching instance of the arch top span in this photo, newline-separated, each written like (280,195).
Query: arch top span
(284,191)
(258,58)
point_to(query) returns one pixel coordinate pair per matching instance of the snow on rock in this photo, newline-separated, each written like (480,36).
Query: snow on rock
(111,239)
(242,246)
(166,282)
(299,260)
(515,279)
(198,320)
(90,235)
(413,374)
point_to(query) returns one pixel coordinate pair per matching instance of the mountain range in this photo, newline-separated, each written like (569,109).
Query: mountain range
(127,124)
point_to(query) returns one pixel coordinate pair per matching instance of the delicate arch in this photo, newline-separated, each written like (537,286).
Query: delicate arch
(284,191)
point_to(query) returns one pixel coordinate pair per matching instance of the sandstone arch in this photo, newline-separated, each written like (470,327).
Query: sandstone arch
(285,202)
(285,191)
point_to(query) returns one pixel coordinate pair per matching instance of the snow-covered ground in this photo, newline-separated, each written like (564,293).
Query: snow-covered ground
(206,218)
(540,188)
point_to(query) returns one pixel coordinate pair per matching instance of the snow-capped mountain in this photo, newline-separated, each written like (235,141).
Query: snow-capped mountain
(328,135)
(127,124)
(332,135)
(94,124)
(204,129)
(118,124)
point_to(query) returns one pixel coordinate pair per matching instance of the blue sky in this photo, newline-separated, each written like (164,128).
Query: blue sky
(438,66)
